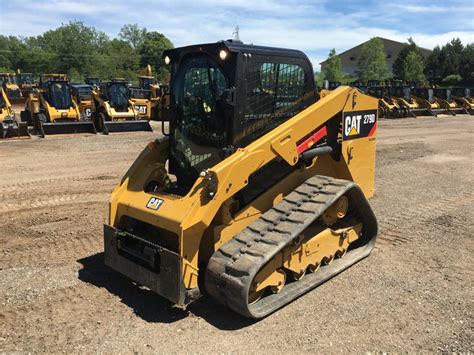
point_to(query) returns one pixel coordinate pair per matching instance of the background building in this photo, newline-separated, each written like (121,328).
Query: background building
(350,57)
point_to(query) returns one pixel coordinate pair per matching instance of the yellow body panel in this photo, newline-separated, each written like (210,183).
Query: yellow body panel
(6,111)
(144,107)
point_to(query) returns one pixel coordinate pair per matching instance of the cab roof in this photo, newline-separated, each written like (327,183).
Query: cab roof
(234,47)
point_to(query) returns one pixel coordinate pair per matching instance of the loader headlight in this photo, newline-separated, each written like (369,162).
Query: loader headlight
(167,60)
(223,54)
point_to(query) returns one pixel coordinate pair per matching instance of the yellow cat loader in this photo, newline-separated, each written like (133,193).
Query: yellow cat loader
(113,111)
(147,96)
(258,194)
(26,83)
(425,98)
(388,105)
(9,84)
(9,126)
(52,110)
(444,98)
(462,97)
(82,95)
(402,94)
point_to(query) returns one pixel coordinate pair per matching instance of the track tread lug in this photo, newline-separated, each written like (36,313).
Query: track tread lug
(286,227)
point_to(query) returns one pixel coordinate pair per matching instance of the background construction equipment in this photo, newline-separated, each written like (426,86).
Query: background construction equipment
(9,126)
(51,109)
(113,111)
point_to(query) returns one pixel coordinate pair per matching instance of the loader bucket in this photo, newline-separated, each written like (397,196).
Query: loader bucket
(46,129)
(13,129)
(126,126)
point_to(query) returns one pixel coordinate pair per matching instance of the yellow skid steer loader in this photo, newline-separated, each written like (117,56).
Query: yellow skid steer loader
(52,110)
(113,111)
(9,126)
(259,192)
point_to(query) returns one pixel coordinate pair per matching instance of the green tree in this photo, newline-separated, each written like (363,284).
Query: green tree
(152,50)
(451,80)
(413,66)
(319,79)
(80,51)
(11,48)
(72,47)
(448,63)
(451,57)
(333,68)
(466,68)
(400,63)
(118,59)
(372,64)
(134,35)
(433,65)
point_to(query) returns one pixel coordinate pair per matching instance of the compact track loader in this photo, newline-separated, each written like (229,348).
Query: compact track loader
(82,95)
(147,96)
(11,88)
(26,83)
(444,98)
(52,110)
(402,94)
(258,194)
(113,111)
(425,98)
(9,126)
(462,96)
(388,105)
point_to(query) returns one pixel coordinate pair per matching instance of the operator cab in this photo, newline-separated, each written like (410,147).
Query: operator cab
(58,94)
(226,95)
(401,92)
(92,81)
(443,94)
(424,93)
(117,93)
(7,79)
(461,92)
(145,82)
(26,78)
(379,92)
(82,92)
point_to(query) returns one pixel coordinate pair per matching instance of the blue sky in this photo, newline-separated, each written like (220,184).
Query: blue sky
(312,26)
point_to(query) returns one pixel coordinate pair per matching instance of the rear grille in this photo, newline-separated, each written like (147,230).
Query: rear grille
(150,234)
(139,251)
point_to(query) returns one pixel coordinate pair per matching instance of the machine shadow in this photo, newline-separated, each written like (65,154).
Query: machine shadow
(151,307)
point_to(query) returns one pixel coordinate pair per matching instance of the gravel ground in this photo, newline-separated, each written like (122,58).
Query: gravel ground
(414,293)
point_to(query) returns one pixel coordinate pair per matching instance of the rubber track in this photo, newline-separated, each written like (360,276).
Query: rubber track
(232,268)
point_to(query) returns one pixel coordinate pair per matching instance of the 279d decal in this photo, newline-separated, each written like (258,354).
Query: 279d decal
(358,124)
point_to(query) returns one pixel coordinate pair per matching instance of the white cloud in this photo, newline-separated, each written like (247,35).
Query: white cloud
(77,8)
(312,26)
(448,8)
